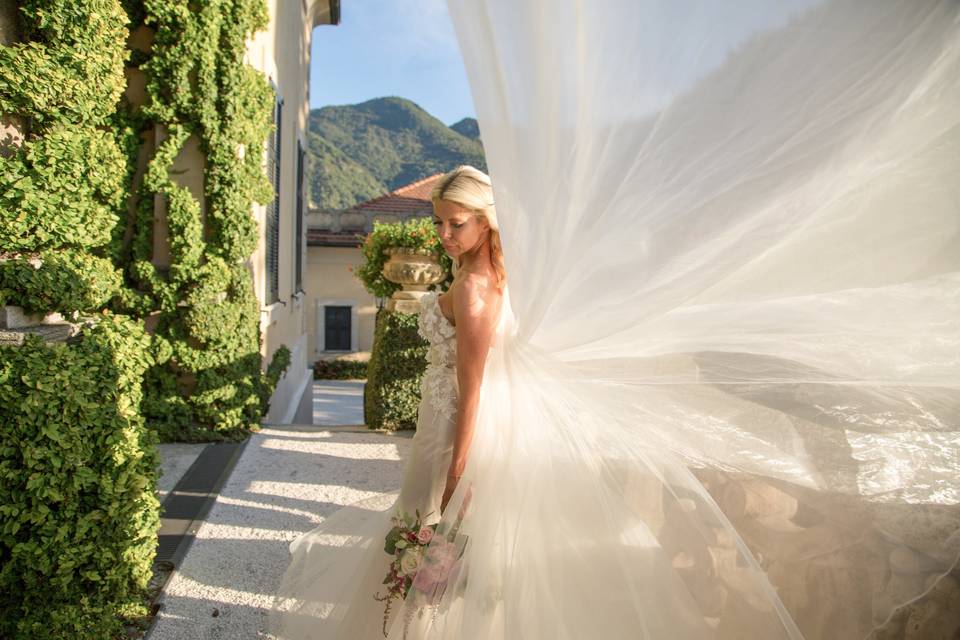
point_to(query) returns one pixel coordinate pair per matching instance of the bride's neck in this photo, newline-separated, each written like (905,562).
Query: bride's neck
(478,257)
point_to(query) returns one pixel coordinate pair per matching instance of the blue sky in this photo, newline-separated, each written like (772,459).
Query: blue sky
(391,48)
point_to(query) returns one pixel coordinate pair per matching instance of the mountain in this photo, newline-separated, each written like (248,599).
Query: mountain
(468,127)
(358,152)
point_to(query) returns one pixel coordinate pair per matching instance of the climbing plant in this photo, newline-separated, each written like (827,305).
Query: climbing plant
(200,90)
(69,67)
(64,189)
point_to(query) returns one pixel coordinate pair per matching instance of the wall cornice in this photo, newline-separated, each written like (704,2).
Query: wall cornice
(323,12)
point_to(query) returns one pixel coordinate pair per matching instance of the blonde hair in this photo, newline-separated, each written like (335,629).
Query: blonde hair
(471,189)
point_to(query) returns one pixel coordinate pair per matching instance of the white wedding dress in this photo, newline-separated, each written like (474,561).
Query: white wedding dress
(328,591)
(724,402)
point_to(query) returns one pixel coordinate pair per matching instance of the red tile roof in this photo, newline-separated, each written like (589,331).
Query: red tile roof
(410,199)
(324,238)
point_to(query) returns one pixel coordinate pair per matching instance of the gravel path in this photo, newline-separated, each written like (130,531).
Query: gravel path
(288,479)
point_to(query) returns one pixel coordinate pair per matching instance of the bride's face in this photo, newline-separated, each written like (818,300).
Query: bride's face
(459,229)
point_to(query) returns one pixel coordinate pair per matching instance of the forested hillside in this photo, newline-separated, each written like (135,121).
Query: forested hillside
(357,152)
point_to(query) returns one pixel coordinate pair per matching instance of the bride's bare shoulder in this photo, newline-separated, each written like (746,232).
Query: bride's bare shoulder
(481,286)
(477,295)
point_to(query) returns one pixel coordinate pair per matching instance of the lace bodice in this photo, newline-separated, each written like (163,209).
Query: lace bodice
(434,327)
(439,382)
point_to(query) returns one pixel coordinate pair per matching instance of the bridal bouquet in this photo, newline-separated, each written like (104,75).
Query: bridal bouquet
(423,560)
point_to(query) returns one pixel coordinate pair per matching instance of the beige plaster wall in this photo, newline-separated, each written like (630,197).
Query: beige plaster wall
(282,53)
(187,171)
(328,280)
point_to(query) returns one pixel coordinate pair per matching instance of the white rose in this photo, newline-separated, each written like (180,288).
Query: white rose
(410,560)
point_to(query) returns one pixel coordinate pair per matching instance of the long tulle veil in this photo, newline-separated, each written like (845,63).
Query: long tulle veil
(725,399)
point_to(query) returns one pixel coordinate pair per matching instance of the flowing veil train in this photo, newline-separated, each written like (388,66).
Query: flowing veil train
(725,398)
(729,402)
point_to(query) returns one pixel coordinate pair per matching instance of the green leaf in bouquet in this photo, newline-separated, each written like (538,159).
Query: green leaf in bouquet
(390,544)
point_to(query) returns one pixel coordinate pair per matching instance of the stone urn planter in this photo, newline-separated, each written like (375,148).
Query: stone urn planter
(415,270)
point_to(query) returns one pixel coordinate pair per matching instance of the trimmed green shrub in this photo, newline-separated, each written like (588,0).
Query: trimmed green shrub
(71,66)
(399,358)
(62,189)
(78,510)
(339,370)
(64,281)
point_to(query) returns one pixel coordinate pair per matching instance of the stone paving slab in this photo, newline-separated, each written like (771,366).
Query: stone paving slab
(175,459)
(188,503)
(338,402)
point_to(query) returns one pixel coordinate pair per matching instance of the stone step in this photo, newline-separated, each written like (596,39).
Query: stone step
(14,317)
(50,333)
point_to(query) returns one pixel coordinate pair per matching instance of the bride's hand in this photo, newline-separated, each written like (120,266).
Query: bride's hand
(451,486)
(452,482)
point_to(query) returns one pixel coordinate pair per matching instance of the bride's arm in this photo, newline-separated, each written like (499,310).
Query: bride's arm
(475,311)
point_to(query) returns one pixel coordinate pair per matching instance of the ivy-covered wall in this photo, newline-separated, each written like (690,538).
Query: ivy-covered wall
(69,243)
(200,92)
(63,192)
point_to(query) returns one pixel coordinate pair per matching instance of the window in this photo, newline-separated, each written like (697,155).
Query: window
(336,327)
(298,237)
(272,226)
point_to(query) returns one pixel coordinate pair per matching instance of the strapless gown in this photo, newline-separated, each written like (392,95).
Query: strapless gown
(336,569)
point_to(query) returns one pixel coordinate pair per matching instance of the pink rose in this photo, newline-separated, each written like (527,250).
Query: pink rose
(436,567)
(425,535)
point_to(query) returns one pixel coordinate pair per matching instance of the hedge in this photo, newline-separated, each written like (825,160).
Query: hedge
(78,510)
(339,370)
(397,362)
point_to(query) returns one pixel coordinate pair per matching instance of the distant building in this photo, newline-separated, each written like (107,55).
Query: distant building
(341,313)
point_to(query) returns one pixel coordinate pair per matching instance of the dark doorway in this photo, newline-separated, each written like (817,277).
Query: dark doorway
(336,323)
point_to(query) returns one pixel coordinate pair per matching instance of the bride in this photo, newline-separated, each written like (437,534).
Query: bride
(466,223)
(722,397)
(460,326)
